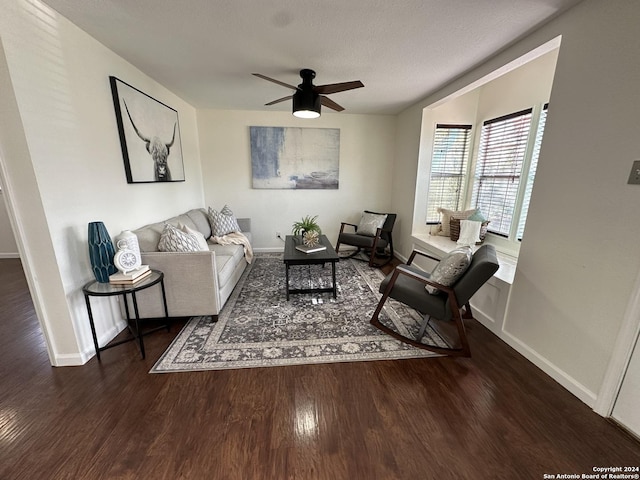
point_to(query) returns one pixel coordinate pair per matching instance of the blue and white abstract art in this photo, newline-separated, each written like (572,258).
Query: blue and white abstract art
(295,158)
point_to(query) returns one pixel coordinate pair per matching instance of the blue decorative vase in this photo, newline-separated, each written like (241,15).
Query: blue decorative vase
(101,252)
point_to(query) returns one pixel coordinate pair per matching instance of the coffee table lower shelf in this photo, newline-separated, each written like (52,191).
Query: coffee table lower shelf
(292,256)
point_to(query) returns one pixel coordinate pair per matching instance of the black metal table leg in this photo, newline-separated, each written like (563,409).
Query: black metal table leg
(93,326)
(287,280)
(138,332)
(164,303)
(333,278)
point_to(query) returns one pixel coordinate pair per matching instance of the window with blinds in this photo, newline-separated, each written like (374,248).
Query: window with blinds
(532,172)
(501,156)
(448,169)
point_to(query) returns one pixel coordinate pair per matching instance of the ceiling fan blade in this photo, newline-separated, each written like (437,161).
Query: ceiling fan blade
(279,100)
(338,87)
(327,102)
(274,81)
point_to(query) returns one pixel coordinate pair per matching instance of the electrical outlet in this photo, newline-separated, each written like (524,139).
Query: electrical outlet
(634,176)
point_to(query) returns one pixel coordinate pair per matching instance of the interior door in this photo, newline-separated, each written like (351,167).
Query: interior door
(626,410)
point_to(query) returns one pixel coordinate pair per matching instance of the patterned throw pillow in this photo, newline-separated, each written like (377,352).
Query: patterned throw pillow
(175,240)
(222,222)
(450,268)
(370,223)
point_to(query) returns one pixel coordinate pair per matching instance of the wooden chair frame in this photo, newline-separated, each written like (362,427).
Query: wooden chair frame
(455,337)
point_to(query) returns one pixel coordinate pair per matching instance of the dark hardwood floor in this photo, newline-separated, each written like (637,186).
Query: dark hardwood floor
(493,416)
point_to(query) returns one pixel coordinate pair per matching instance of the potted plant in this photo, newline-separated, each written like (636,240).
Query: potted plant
(307,224)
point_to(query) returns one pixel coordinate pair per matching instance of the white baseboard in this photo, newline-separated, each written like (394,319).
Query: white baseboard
(69,360)
(269,249)
(88,352)
(565,380)
(9,255)
(560,376)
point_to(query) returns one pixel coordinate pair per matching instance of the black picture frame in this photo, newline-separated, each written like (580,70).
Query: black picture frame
(149,135)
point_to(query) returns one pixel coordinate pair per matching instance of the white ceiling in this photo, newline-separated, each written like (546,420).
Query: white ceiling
(402,50)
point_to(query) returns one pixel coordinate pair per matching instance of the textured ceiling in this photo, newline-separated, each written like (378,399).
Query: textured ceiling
(402,50)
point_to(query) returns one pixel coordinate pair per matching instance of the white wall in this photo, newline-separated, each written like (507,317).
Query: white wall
(366,152)
(8,247)
(71,169)
(579,260)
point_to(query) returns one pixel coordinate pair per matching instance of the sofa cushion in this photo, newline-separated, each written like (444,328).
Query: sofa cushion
(227,264)
(183,219)
(228,250)
(199,217)
(149,236)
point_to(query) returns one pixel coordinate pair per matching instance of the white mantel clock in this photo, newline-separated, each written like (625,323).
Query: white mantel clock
(125,259)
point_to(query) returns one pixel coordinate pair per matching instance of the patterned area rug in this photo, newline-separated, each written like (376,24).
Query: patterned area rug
(258,327)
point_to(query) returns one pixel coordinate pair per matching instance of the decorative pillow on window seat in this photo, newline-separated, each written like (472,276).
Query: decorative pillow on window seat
(456,230)
(447,215)
(469,232)
(450,268)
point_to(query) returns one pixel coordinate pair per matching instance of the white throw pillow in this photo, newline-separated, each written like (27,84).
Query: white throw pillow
(370,223)
(202,242)
(450,268)
(175,240)
(222,222)
(469,232)
(445,229)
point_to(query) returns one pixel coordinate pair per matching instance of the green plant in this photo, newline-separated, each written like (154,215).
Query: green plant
(307,224)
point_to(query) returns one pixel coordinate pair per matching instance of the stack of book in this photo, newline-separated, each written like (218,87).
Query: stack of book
(310,249)
(130,278)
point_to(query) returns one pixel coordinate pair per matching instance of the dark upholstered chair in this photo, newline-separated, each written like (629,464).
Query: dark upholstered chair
(374,242)
(442,311)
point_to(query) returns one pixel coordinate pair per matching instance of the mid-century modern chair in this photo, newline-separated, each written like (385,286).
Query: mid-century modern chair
(372,235)
(443,310)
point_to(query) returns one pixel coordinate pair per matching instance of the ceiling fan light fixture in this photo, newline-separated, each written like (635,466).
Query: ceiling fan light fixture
(306,104)
(306,114)
(307,97)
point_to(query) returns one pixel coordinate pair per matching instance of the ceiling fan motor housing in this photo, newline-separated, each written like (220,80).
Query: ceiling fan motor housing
(306,100)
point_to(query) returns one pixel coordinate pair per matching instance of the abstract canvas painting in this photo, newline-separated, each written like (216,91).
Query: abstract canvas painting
(295,158)
(149,136)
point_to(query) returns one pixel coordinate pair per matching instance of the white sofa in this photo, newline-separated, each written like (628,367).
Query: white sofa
(196,283)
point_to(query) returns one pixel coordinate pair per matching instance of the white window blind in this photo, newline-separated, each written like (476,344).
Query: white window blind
(532,172)
(503,145)
(448,169)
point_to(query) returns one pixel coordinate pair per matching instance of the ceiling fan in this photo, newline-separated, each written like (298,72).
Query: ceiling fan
(308,97)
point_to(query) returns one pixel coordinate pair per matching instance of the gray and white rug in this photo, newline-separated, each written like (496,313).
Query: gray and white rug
(258,327)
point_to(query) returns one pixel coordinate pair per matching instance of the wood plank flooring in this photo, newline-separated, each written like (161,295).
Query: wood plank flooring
(493,416)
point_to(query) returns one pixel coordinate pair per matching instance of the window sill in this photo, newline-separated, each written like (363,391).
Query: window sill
(439,246)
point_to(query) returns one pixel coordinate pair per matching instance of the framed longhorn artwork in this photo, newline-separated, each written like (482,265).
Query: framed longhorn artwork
(149,136)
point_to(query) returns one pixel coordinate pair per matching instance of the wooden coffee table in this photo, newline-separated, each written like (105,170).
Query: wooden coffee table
(292,256)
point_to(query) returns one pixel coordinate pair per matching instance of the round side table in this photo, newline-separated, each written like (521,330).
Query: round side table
(97,289)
